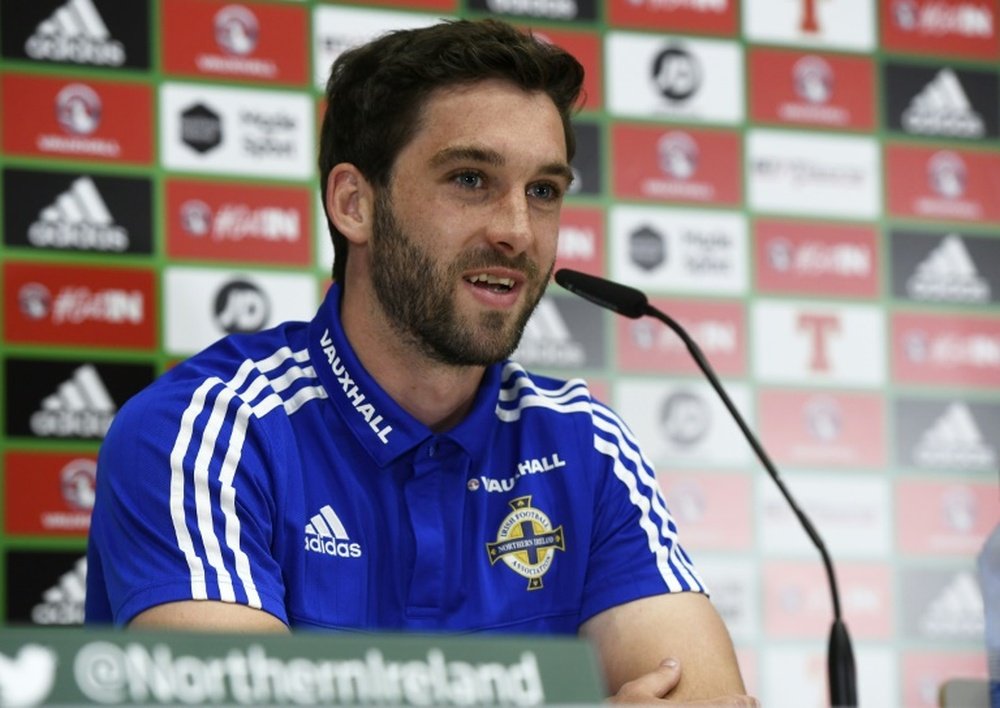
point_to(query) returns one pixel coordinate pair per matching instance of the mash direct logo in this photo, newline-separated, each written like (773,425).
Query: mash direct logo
(89,306)
(87,120)
(249,41)
(236,131)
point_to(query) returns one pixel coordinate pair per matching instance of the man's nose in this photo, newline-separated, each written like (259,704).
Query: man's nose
(510,227)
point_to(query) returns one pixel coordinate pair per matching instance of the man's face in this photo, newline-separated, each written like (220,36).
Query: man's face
(463,246)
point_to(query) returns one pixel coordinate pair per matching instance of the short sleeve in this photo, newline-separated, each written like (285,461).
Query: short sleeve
(635,550)
(184,507)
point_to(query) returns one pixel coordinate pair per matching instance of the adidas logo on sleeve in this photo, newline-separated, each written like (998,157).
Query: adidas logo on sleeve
(326,535)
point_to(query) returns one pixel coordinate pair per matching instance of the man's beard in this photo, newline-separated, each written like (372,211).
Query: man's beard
(418,296)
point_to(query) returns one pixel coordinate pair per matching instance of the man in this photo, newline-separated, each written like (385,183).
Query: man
(384,466)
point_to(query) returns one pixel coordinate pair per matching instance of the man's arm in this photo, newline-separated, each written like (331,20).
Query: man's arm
(207,616)
(631,641)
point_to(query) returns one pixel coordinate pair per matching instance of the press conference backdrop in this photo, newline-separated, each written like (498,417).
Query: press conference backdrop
(811,186)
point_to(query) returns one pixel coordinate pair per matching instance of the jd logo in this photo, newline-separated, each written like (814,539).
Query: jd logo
(241,306)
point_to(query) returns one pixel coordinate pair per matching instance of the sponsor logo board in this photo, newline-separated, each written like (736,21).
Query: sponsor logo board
(960,350)
(944,518)
(813,90)
(712,509)
(677,165)
(950,268)
(68,399)
(86,33)
(49,493)
(942,101)
(588,173)
(797,602)
(78,212)
(717,327)
(581,240)
(586,47)
(823,429)
(845,24)
(926,672)
(203,305)
(935,183)
(811,175)
(660,249)
(963,28)
(238,222)
(698,16)
(793,676)
(48,303)
(45,587)
(799,258)
(91,120)
(851,513)
(674,78)
(685,424)
(733,585)
(947,435)
(253,40)
(559,10)
(215,129)
(563,333)
(337,29)
(821,343)
(941,604)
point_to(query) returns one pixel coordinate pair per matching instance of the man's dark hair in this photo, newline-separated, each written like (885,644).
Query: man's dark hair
(376,92)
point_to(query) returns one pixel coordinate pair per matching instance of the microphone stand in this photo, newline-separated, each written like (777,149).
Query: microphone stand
(634,304)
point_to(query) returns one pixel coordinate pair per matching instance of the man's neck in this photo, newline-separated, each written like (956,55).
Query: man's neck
(439,395)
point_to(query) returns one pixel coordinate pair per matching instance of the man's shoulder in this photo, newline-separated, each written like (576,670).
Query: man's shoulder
(232,362)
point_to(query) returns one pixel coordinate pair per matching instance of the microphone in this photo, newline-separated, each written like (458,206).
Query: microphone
(634,304)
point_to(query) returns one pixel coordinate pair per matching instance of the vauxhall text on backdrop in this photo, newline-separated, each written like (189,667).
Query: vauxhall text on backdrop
(811,186)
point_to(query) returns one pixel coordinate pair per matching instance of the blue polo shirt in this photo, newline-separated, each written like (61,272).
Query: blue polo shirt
(271,470)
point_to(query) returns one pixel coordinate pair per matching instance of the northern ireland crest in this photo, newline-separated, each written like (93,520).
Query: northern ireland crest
(527,542)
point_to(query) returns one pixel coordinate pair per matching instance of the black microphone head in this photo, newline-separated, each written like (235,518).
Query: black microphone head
(606,293)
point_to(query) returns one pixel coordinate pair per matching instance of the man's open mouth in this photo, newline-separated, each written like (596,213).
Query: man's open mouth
(492,282)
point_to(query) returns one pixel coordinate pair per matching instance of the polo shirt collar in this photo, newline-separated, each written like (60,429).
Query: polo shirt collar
(378,423)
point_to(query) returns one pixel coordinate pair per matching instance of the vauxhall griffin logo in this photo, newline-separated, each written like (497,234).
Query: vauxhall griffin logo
(241,306)
(78,109)
(236,29)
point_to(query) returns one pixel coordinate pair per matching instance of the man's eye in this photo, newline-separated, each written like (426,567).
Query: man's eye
(545,191)
(470,180)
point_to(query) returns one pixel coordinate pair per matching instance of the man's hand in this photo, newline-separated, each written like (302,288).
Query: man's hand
(653,688)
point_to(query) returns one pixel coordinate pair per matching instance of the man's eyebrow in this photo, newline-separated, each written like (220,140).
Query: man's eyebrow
(467,153)
(470,153)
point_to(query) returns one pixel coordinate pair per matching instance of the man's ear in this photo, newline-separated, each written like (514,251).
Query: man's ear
(350,202)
